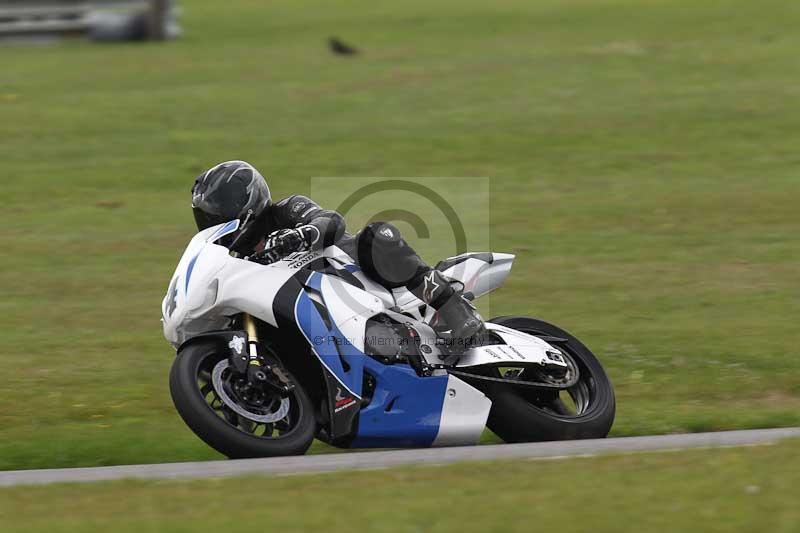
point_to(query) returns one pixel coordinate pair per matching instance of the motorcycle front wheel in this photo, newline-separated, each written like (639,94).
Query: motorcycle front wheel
(583,411)
(236,421)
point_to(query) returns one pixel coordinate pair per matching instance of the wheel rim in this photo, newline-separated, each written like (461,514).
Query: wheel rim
(270,416)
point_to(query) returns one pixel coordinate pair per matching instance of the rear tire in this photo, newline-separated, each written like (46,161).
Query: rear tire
(220,433)
(526,415)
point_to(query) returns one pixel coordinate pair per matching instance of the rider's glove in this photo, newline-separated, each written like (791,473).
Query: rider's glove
(283,242)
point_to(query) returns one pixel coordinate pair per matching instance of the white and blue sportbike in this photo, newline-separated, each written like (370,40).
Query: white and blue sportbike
(271,356)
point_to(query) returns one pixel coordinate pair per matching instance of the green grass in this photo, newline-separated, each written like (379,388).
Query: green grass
(643,158)
(739,489)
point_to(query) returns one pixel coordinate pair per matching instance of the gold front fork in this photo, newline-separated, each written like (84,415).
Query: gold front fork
(257,374)
(250,327)
(252,336)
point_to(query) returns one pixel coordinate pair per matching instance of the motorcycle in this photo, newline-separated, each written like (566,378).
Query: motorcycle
(270,356)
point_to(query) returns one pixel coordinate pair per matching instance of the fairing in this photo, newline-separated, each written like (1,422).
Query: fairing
(331,309)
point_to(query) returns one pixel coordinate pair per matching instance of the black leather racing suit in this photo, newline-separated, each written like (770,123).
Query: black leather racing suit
(379,248)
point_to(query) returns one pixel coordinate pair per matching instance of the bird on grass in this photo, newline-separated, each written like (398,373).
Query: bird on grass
(341,48)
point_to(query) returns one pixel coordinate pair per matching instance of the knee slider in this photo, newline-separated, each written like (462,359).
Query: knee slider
(384,233)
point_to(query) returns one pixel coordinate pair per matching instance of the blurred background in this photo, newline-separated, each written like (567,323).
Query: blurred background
(99,20)
(642,158)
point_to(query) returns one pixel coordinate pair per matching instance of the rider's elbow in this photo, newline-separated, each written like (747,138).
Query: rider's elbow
(331,225)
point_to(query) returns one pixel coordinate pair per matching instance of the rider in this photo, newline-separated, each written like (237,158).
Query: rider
(235,189)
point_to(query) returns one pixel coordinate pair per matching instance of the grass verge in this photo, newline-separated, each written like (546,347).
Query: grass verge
(734,489)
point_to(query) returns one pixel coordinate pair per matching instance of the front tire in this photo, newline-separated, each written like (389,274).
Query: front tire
(231,432)
(525,415)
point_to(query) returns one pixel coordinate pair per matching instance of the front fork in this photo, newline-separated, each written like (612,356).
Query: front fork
(254,365)
(256,371)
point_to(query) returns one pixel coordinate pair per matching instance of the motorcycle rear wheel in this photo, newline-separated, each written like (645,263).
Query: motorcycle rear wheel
(584,411)
(235,432)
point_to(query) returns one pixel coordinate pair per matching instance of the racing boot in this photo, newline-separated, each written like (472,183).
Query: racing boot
(454,310)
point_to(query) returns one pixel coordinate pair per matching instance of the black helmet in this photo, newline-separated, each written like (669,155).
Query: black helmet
(234,189)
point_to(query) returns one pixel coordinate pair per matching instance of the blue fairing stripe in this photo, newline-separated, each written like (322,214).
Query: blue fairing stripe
(315,282)
(227,229)
(189,270)
(323,341)
(405,409)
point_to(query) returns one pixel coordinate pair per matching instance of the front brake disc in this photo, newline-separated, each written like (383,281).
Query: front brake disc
(219,387)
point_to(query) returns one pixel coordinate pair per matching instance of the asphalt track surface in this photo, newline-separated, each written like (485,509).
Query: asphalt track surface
(281,466)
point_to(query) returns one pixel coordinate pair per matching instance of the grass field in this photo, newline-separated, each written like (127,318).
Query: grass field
(643,158)
(741,489)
